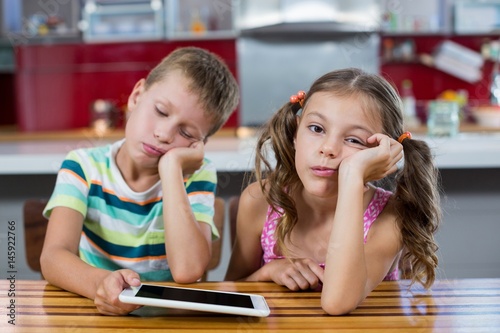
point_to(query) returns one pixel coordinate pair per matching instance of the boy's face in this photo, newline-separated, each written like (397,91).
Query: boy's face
(165,116)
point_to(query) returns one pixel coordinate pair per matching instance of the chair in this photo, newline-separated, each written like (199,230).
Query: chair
(35,227)
(219,216)
(233,204)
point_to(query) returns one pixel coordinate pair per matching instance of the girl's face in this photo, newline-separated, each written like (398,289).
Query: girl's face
(329,130)
(165,116)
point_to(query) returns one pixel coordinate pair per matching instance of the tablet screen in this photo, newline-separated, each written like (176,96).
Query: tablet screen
(196,296)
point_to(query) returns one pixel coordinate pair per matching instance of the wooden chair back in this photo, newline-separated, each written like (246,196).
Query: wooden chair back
(233,204)
(219,216)
(35,226)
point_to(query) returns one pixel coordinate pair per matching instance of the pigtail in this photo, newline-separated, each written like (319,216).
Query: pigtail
(278,182)
(418,201)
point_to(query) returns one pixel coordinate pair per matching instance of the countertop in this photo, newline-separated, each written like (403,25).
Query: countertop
(43,154)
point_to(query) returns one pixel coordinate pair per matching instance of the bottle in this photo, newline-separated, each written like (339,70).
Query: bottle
(409,104)
(197,25)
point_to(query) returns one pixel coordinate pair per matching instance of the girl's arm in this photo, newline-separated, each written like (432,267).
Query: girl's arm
(187,241)
(246,258)
(62,267)
(353,269)
(246,254)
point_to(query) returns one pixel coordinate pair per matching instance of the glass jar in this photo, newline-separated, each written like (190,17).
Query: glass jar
(443,119)
(104,115)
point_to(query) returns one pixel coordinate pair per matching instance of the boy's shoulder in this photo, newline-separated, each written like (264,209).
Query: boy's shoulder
(97,152)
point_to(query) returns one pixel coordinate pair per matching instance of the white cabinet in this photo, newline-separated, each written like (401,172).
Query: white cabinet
(477,17)
(29,21)
(122,20)
(200,19)
(419,17)
(126,20)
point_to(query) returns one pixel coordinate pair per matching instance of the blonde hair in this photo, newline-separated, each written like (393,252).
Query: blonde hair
(415,186)
(209,77)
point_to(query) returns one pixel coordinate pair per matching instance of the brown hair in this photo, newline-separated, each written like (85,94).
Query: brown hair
(415,186)
(209,77)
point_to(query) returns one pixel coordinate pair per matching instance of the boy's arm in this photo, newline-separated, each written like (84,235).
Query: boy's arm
(187,241)
(59,259)
(62,267)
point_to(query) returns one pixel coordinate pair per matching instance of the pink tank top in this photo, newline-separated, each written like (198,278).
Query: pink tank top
(375,207)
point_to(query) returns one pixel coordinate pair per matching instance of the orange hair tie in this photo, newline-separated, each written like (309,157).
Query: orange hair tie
(300,97)
(405,135)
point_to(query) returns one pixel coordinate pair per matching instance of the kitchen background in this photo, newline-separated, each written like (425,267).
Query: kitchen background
(75,52)
(57,57)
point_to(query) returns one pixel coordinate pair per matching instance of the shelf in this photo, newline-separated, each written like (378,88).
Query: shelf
(10,134)
(441,33)
(464,128)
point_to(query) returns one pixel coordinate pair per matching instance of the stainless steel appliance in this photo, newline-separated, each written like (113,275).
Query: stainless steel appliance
(284,45)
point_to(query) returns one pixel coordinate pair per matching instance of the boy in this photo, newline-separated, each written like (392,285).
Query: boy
(142,207)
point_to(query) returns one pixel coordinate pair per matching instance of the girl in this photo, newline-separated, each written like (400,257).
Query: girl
(316,218)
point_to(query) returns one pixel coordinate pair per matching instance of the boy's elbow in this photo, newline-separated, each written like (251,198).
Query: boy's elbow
(187,275)
(44,263)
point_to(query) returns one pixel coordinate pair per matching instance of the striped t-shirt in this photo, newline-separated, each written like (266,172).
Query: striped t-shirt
(123,228)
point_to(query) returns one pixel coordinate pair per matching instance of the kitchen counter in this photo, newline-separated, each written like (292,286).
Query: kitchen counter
(44,154)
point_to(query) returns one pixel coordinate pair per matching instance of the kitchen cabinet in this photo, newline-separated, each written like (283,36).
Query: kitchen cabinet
(428,81)
(105,21)
(474,17)
(403,45)
(28,21)
(158,19)
(57,83)
(200,19)
(7,77)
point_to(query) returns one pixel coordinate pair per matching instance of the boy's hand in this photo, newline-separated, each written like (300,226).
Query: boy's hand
(189,158)
(106,297)
(295,274)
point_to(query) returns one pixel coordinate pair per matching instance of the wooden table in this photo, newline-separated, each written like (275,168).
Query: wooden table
(469,305)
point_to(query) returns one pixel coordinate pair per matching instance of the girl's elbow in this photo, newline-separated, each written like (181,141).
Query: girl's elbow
(337,307)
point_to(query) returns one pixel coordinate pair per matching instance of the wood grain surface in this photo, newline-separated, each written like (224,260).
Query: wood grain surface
(468,305)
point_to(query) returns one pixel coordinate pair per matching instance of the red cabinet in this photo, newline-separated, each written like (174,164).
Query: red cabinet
(57,83)
(429,82)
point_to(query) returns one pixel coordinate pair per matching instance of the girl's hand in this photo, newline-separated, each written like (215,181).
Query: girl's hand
(189,158)
(295,274)
(106,297)
(379,160)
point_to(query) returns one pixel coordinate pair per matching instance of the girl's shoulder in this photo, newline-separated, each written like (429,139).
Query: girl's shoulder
(387,206)
(253,204)
(253,196)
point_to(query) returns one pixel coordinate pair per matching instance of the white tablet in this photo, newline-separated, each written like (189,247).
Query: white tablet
(197,299)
